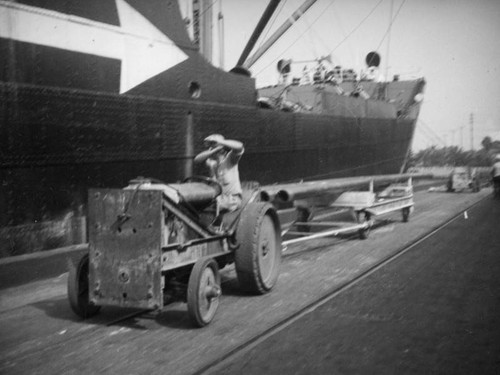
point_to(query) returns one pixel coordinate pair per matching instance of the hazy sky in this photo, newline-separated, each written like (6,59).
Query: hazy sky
(453,44)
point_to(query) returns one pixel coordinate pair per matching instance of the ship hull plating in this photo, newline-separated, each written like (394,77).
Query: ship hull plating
(58,143)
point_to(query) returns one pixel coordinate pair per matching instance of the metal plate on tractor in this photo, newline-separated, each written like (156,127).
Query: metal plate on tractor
(125,247)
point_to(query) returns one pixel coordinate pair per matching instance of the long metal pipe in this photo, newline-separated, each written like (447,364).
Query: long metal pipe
(291,192)
(266,16)
(278,33)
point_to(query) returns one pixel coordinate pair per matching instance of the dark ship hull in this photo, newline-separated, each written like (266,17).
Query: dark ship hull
(65,127)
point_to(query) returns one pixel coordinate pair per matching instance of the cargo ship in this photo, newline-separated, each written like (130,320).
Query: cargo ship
(96,93)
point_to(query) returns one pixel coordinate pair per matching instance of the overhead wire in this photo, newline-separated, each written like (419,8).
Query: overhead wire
(427,131)
(273,20)
(339,24)
(390,25)
(339,44)
(358,26)
(208,8)
(309,42)
(317,36)
(429,128)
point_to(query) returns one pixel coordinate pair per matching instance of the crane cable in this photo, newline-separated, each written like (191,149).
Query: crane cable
(299,37)
(342,42)
(388,32)
(269,27)
(358,26)
(390,25)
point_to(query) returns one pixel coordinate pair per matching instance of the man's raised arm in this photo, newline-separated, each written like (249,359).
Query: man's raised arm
(234,145)
(204,155)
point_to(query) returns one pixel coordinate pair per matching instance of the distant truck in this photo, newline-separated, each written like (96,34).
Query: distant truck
(462,178)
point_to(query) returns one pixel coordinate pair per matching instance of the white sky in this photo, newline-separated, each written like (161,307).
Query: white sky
(453,44)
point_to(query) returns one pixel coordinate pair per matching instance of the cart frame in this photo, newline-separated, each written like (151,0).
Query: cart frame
(363,207)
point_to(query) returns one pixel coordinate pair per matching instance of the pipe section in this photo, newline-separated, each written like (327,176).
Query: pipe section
(291,192)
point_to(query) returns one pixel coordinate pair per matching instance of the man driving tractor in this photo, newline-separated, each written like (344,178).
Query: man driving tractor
(221,158)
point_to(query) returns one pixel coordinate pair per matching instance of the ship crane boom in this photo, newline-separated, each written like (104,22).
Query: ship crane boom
(266,16)
(278,33)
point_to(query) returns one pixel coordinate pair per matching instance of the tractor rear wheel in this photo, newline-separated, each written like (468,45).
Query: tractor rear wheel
(258,257)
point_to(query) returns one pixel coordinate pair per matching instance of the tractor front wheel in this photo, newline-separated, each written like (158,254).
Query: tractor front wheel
(78,289)
(204,290)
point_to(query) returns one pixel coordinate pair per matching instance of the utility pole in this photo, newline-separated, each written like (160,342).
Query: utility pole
(472,131)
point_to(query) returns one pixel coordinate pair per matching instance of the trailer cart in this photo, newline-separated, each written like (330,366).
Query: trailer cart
(361,208)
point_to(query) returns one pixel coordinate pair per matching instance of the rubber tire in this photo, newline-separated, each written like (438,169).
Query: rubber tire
(449,186)
(304,216)
(78,289)
(476,186)
(258,230)
(363,217)
(406,214)
(201,310)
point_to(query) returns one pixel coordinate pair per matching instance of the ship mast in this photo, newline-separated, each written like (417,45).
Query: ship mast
(202,26)
(220,19)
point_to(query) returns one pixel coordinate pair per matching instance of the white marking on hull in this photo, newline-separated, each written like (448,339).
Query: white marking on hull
(144,51)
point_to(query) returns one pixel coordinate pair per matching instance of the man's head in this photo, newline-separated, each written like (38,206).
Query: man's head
(212,142)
